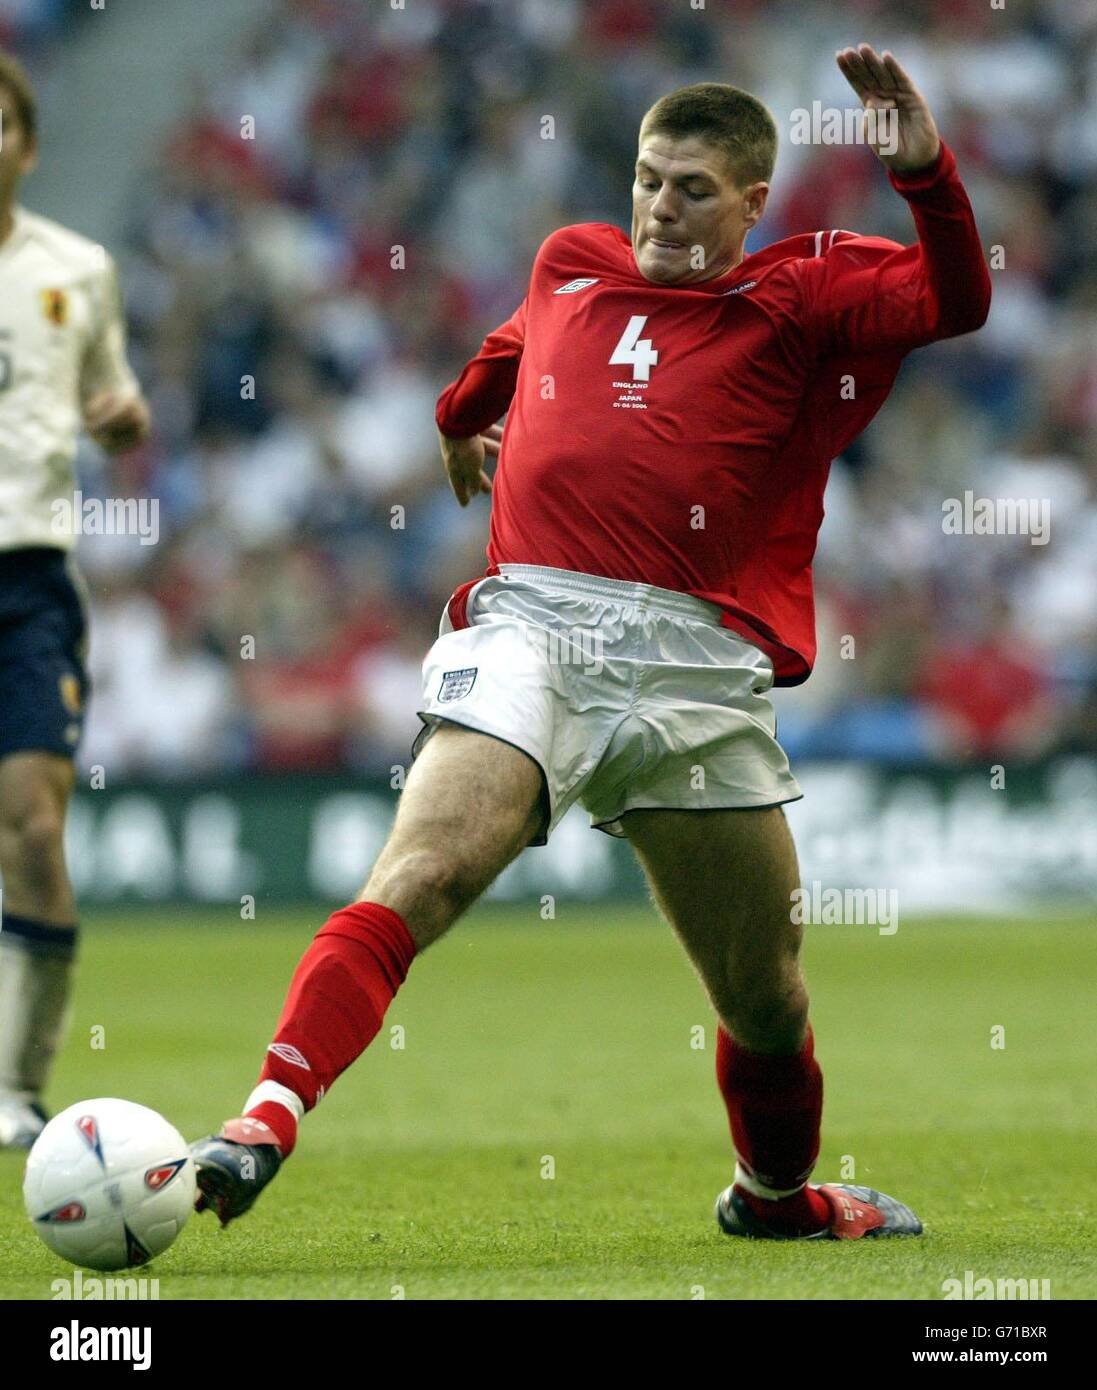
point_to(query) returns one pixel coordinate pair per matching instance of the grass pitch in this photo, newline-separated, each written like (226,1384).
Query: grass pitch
(551,1130)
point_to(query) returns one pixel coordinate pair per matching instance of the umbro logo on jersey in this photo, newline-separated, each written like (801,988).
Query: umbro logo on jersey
(574,286)
(738,289)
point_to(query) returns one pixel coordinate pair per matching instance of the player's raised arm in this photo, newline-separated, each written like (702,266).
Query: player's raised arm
(883,86)
(860,297)
(469,407)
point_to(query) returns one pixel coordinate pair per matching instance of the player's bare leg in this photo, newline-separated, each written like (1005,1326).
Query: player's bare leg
(725,880)
(38,936)
(470,805)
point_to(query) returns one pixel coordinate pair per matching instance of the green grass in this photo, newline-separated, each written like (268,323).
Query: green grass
(423,1167)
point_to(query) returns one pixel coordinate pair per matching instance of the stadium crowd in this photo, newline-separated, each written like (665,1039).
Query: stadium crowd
(292,360)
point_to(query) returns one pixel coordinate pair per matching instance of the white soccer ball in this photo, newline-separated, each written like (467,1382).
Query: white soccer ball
(109,1184)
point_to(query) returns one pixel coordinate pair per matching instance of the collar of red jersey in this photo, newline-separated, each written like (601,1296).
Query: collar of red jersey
(722,284)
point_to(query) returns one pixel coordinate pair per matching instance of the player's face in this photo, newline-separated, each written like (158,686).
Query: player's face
(690,216)
(16,158)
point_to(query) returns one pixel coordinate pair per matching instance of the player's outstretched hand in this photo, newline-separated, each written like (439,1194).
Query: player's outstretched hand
(116,422)
(882,85)
(464,461)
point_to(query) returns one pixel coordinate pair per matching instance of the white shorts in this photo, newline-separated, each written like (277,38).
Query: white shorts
(627,696)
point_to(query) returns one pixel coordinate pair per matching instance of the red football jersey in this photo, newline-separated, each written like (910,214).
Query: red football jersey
(682,435)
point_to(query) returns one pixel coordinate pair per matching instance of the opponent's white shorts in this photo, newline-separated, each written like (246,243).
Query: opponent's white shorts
(626,695)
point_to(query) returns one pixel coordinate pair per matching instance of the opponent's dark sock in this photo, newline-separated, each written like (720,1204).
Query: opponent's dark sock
(36,960)
(775,1104)
(335,1007)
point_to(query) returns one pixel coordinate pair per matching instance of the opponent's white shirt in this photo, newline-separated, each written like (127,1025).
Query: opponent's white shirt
(62,340)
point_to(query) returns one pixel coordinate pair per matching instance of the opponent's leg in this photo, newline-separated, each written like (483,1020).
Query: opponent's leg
(471,804)
(725,880)
(37,935)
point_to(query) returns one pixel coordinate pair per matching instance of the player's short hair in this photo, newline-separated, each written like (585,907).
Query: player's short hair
(14,76)
(735,122)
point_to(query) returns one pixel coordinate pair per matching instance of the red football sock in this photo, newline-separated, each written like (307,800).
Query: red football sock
(775,1105)
(335,1007)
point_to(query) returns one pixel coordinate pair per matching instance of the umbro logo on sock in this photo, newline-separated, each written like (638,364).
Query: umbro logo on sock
(290,1054)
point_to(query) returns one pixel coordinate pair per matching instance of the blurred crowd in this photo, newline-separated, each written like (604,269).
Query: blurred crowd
(27,25)
(308,541)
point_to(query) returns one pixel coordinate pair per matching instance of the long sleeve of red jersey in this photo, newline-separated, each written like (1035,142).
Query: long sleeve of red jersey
(485,387)
(857,301)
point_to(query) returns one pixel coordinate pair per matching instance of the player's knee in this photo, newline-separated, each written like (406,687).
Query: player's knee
(446,876)
(776,1033)
(770,1017)
(428,881)
(34,849)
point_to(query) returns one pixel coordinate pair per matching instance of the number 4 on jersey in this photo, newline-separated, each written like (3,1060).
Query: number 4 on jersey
(634,351)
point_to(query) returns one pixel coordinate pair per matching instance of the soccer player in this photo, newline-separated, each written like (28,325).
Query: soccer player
(62,364)
(674,407)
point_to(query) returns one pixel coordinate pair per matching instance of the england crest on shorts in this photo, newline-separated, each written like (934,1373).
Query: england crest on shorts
(457,684)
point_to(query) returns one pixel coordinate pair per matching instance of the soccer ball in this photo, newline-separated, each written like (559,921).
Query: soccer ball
(109,1184)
